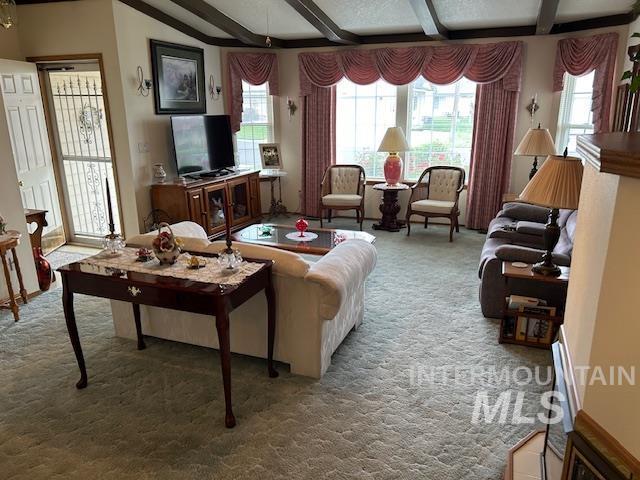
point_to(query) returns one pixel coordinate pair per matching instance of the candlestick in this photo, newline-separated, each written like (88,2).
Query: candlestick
(227,221)
(112,227)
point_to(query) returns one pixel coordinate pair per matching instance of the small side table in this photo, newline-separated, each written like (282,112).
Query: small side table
(39,217)
(8,242)
(390,207)
(277,207)
(516,326)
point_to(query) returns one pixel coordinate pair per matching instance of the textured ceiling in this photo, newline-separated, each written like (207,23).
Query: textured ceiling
(375,17)
(571,10)
(371,17)
(464,14)
(284,21)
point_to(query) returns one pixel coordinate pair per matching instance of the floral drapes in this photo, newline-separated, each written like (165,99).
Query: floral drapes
(497,67)
(253,68)
(579,56)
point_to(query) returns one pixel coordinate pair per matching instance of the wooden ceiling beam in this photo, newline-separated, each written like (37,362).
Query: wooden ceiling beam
(159,15)
(546,16)
(428,18)
(321,21)
(218,19)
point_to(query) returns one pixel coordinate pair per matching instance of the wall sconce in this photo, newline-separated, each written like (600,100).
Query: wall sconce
(214,90)
(291,106)
(533,107)
(144,84)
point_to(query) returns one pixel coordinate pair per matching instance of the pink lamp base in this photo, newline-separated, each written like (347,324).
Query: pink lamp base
(393,169)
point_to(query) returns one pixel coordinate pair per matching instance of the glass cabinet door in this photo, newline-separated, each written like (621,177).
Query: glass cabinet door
(240,198)
(215,198)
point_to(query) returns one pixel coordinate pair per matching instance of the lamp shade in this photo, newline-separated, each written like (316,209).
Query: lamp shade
(536,142)
(394,141)
(557,183)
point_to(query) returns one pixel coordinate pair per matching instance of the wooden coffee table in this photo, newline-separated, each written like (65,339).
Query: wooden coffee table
(327,238)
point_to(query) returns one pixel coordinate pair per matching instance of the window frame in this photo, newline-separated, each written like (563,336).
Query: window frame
(270,126)
(403,120)
(564,125)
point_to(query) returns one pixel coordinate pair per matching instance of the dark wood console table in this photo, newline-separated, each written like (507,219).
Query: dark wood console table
(168,292)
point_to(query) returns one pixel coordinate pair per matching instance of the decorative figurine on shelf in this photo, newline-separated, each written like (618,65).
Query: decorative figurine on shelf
(195,263)
(229,259)
(159,174)
(43,269)
(113,242)
(166,245)
(144,255)
(301,226)
(3,225)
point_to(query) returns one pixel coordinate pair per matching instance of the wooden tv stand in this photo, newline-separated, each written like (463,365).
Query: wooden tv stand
(201,201)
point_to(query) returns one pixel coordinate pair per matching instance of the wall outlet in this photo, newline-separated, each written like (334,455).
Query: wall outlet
(143,147)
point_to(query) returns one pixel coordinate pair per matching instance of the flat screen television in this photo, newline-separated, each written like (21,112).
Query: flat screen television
(202,143)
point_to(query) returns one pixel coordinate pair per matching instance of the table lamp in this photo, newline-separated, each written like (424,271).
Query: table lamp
(393,142)
(556,185)
(537,141)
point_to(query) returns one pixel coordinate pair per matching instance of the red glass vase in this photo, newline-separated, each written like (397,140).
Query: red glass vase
(301,226)
(43,269)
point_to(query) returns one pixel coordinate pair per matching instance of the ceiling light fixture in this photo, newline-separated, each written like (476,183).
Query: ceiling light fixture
(8,13)
(267,40)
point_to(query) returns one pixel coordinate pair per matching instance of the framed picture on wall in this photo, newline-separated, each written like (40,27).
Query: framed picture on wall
(178,78)
(270,154)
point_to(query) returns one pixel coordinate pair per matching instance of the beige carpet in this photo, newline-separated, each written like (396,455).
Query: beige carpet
(158,413)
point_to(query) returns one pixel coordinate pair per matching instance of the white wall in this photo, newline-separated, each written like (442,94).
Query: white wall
(539,58)
(133,32)
(10,44)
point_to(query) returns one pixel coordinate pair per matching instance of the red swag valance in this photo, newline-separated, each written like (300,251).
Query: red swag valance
(579,56)
(399,66)
(253,68)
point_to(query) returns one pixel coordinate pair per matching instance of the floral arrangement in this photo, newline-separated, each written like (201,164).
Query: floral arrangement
(166,245)
(167,242)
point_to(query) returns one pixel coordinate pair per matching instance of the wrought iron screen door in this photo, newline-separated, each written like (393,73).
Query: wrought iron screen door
(79,121)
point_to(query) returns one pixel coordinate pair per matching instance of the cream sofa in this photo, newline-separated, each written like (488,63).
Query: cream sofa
(318,303)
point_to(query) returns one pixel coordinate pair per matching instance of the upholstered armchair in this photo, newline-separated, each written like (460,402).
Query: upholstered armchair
(436,194)
(342,188)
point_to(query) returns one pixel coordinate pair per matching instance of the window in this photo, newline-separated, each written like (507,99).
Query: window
(440,125)
(437,120)
(575,117)
(364,112)
(256,126)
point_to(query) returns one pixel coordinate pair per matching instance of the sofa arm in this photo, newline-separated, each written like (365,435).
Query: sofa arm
(340,272)
(516,253)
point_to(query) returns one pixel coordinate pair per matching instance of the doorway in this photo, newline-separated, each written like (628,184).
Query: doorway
(79,123)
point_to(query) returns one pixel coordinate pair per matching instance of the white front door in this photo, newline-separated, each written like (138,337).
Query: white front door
(30,143)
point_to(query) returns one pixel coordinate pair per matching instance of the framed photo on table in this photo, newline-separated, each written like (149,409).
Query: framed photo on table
(178,78)
(270,155)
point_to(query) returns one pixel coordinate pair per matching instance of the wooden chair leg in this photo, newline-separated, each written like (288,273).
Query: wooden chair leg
(360,215)
(458,222)
(426,222)
(408,223)
(329,216)
(321,215)
(453,225)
